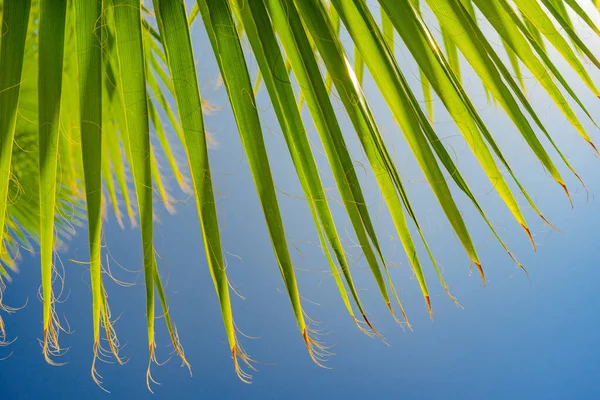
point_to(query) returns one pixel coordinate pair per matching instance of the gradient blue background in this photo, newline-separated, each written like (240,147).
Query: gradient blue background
(517,338)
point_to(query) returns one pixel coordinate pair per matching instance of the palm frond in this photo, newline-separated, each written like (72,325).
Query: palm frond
(125,96)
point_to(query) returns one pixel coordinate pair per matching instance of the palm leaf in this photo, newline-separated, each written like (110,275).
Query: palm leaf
(89,63)
(132,91)
(15,17)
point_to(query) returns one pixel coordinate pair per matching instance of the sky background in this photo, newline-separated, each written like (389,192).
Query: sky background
(517,338)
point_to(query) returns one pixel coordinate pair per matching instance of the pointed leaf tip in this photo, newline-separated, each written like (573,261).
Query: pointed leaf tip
(481,273)
(528,232)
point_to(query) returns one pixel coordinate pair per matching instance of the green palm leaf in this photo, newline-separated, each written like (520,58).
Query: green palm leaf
(132,91)
(15,17)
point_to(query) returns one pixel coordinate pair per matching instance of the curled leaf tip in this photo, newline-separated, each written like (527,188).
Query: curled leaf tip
(528,232)
(179,349)
(113,342)
(46,348)
(371,332)
(317,350)
(593,147)
(481,273)
(549,223)
(97,378)
(522,267)
(402,324)
(567,192)
(238,354)
(50,345)
(149,378)
(370,325)
(389,306)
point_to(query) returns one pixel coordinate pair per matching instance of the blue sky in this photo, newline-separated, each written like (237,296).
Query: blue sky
(517,338)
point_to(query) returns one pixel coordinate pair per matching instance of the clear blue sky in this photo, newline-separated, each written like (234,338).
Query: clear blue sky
(517,338)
